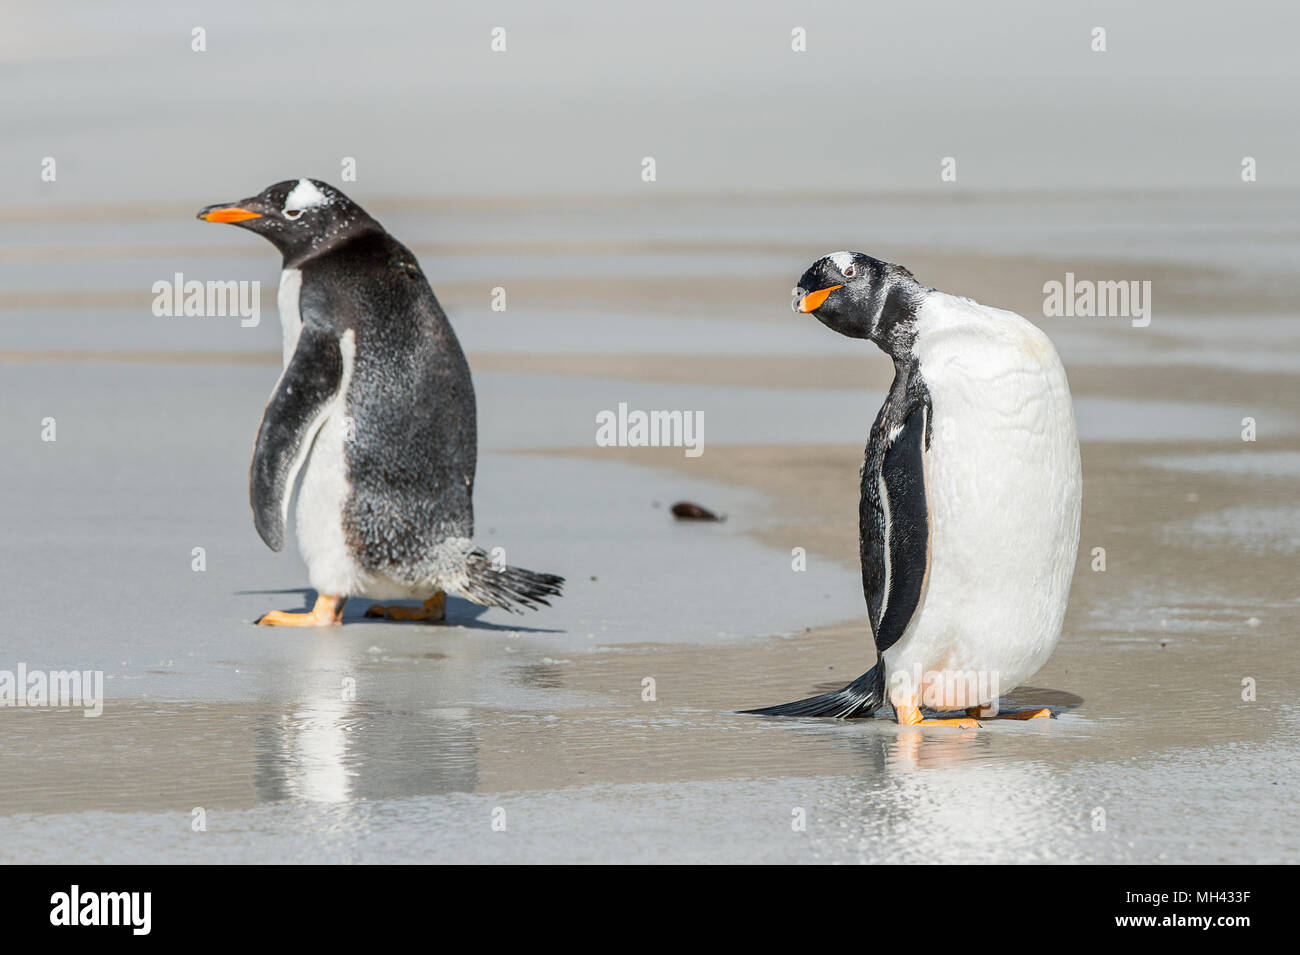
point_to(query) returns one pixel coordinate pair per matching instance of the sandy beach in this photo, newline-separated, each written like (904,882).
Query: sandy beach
(547,716)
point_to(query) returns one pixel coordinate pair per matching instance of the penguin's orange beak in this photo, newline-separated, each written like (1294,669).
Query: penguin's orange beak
(228,214)
(813,300)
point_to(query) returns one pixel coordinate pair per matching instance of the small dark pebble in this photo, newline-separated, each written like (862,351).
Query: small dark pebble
(686,511)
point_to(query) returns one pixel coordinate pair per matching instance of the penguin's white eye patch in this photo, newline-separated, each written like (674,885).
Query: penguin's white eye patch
(305,195)
(844,262)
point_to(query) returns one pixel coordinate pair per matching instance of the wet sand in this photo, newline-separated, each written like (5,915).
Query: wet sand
(544,716)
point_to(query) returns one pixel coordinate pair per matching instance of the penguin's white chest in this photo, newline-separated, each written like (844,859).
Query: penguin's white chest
(323,494)
(1003,491)
(286,301)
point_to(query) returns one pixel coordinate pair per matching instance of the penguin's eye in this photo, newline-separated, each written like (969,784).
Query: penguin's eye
(850,271)
(292,213)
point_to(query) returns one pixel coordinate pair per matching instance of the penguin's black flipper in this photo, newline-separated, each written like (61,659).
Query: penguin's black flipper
(894,529)
(295,412)
(861,698)
(895,535)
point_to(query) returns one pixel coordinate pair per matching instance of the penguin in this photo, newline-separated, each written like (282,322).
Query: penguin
(375,409)
(971,487)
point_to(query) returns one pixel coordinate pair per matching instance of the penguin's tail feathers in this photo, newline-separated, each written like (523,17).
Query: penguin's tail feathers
(494,584)
(859,699)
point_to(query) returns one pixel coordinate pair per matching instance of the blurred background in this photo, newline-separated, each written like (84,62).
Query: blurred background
(524,167)
(585,89)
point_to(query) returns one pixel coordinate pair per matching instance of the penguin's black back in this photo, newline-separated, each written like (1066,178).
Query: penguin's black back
(413,441)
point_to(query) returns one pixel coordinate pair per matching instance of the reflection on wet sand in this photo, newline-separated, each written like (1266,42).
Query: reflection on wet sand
(334,748)
(330,751)
(872,791)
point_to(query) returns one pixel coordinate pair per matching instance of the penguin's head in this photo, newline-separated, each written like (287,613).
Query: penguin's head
(297,216)
(856,295)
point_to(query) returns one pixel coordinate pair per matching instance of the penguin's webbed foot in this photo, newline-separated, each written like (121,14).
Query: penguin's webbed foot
(909,715)
(434,610)
(1020,715)
(327,612)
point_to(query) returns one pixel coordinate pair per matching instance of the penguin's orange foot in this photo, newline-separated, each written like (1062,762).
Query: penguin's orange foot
(328,612)
(960,722)
(911,716)
(1043,714)
(434,610)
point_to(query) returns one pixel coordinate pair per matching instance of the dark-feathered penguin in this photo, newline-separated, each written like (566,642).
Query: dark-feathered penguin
(375,408)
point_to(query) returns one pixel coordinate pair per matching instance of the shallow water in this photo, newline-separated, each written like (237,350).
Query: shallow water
(390,785)
(132,486)
(544,715)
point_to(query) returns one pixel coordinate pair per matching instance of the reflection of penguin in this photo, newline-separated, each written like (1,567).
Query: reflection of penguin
(376,401)
(328,751)
(969,517)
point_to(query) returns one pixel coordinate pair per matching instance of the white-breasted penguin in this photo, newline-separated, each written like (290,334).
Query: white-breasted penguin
(971,490)
(375,407)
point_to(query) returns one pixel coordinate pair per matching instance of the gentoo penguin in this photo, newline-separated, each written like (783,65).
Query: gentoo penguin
(969,514)
(376,408)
